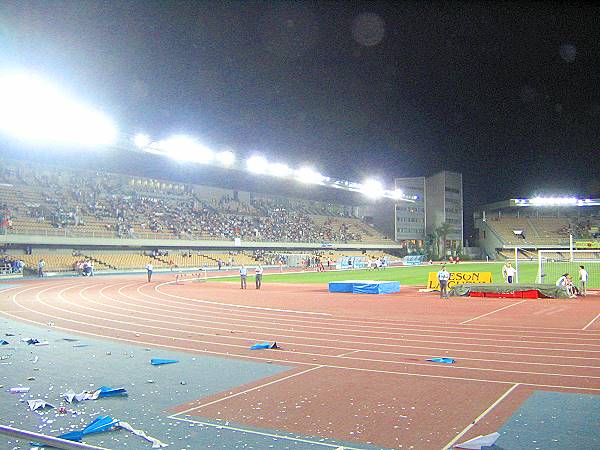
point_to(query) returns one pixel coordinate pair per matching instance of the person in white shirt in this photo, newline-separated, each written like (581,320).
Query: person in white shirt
(149,269)
(583,278)
(562,281)
(565,282)
(243,276)
(509,273)
(259,274)
(443,276)
(41,266)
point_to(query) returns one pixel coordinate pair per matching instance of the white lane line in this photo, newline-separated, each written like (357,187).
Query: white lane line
(480,416)
(297,353)
(270,383)
(349,350)
(591,322)
(332,320)
(358,322)
(177,330)
(299,324)
(492,312)
(232,305)
(255,358)
(262,433)
(382,344)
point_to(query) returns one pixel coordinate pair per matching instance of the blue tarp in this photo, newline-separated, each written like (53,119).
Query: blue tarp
(365,286)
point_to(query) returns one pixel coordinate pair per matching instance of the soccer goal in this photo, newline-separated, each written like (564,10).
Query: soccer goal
(552,264)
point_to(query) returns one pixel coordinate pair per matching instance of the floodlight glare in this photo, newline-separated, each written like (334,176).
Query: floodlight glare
(227,158)
(257,164)
(553,201)
(396,194)
(279,170)
(185,148)
(32,109)
(372,188)
(309,176)
(141,140)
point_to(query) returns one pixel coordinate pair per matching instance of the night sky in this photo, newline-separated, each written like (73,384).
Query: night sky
(506,93)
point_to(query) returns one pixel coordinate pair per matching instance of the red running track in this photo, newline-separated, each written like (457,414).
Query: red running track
(359,362)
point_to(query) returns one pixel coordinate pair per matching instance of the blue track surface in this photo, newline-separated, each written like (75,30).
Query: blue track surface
(553,421)
(82,363)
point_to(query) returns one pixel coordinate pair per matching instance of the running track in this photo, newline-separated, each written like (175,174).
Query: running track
(358,363)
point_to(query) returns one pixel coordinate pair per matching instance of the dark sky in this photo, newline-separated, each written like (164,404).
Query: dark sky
(506,93)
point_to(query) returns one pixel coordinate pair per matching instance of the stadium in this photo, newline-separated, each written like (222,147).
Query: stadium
(164,289)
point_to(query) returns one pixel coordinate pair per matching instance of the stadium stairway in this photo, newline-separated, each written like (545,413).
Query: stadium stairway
(98,262)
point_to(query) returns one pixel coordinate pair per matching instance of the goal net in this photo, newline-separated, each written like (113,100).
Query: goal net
(553,264)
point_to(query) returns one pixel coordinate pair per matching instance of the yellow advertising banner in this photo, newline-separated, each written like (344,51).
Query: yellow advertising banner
(587,244)
(459,278)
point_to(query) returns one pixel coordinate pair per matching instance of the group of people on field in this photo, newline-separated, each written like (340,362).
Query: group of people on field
(566,281)
(258,273)
(509,274)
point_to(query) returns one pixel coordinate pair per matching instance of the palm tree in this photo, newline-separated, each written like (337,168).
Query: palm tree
(441,233)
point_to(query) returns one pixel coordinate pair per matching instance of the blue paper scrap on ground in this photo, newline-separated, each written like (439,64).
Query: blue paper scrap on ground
(264,346)
(442,360)
(159,361)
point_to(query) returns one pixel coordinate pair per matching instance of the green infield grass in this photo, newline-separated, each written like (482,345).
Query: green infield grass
(406,275)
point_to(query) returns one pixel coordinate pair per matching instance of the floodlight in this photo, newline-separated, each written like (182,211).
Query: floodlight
(227,158)
(372,188)
(35,110)
(553,201)
(185,148)
(279,170)
(309,176)
(141,140)
(396,194)
(257,164)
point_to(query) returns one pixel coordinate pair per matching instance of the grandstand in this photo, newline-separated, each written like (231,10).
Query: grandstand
(532,225)
(114,221)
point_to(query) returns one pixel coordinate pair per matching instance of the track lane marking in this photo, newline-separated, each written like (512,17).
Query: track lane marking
(595,344)
(227,397)
(480,416)
(262,433)
(348,350)
(591,322)
(60,294)
(492,312)
(284,362)
(387,321)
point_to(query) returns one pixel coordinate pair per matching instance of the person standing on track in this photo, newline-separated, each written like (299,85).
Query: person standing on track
(243,276)
(583,278)
(149,269)
(41,265)
(443,276)
(259,274)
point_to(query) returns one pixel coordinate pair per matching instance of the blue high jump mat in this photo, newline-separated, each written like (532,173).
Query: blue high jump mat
(365,287)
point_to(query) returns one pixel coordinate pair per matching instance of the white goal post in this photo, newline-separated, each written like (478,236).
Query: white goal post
(552,264)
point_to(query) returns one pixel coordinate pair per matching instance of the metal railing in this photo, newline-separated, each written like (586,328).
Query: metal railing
(31,436)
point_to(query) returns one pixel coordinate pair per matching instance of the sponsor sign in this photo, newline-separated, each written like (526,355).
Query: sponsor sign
(459,278)
(587,244)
